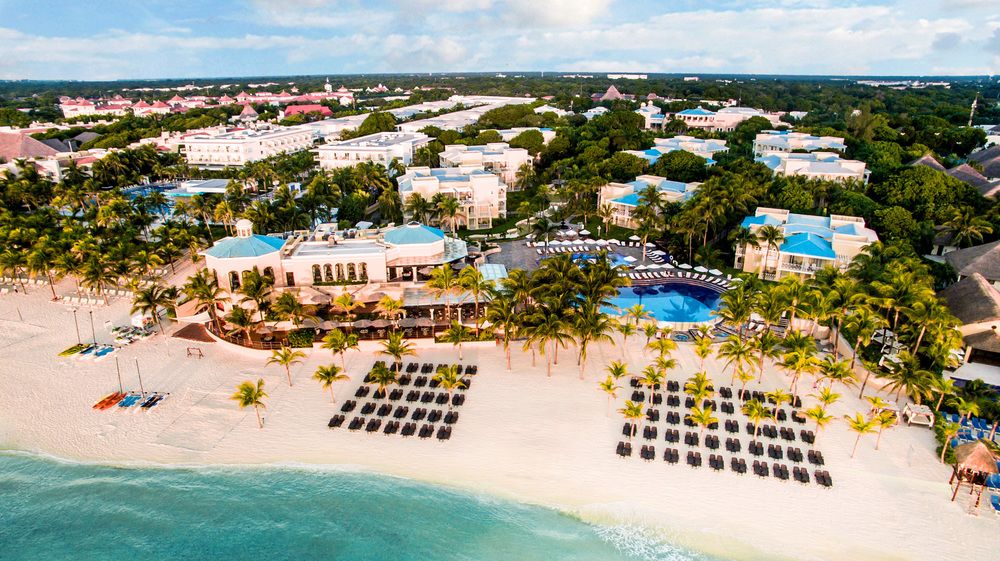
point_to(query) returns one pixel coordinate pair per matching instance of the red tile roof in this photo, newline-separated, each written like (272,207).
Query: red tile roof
(15,145)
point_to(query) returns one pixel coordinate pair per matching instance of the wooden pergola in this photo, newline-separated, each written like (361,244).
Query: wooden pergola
(974,463)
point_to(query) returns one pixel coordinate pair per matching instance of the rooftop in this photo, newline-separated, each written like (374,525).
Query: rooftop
(241,247)
(380,140)
(413,233)
(973,300)
(983,259)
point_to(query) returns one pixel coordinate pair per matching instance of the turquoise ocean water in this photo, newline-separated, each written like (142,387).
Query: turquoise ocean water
(54,510)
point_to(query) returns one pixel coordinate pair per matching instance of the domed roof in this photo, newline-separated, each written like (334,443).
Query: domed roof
(241,247)
(413,233)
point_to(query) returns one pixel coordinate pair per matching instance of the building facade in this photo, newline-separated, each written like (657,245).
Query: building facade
(329,257)
(703,147)
(381,148)
(723,120)
(785,141)
(810,243)
(624,198)
(481,195)
(496,157)
(827,166)
(236,147)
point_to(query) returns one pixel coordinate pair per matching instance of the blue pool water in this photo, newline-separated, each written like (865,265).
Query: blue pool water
(616,259)
(55,510)
(675,301)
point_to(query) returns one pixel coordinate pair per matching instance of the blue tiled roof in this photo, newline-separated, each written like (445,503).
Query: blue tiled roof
(792,228)
(253,246)
(762,220)
(772,162)
(631,200)
(709,162)
(849,229)
(677,186)
(823,221)
(413,234)
(808,244)
(700,111)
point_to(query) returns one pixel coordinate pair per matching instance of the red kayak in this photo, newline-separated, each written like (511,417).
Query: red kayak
(109,401)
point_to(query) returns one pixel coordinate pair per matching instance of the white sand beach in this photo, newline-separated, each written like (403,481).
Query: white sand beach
(521,435)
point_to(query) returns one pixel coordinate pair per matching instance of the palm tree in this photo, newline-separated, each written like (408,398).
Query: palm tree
(702,417)
(637,314)
(756,412)
(339,342)
(554,331)
(966,407)
(449,380)
(617,369)
(203,289)
(795,292)
(390,308)
(502,314)
(591,326)
(250,395)
(448,210)
(651,377)
(328,375)
(949,430)
(242,322)
(943,387)
(736,352)
(799,361)
(418,207)
(611,388)
(745,239)
(818,415)
(771,237)
(907,375)
(471,280)
(833,371)
(442,284)
(766,345)
(382,377)
(651,330)
(346,304)
(286,357)
(702,348)
(396,346)
(863,323)
(861,425)
(627,330)
(633,413)
(152,300)
(826,397)
(662,347)
(884,420)
(779,397)
(606,212)
(735,308)
(456,335)
(287,305)
(967,228)
(256,288)
(745,376)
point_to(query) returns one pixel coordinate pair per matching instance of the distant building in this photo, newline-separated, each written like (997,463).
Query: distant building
(595,112)
(815,165)
(989,159)
(543,109)
(482,196)
(624,198)
(306,109)
(627,76)
(975,301)
(236,147)
(704,147)
(496,157)
(723,120)
(381,148)
(612,94)
(785,141)
(811,243)
(509,134)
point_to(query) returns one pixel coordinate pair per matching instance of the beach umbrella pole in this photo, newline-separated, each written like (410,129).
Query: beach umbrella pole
(93,331)
(118,368)
(77,324)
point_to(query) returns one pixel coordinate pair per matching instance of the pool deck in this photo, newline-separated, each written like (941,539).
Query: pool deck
(516,255)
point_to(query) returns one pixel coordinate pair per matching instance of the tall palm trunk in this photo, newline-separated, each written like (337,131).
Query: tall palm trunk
(856,441)
(260,422)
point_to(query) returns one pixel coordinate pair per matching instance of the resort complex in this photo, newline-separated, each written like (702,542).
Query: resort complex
(506,314)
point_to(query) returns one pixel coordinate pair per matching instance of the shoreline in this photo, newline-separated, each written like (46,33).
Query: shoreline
(522,437)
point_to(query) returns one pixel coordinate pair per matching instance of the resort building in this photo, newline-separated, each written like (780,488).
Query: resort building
(461,119)
(543,109)
(982,260)
(704,147)
(785,141)
(815,165)
(595,112)
(810,243)
(509,134)
(723,120)
(381,148)
(329,257)
(624,198)
(482,196)
(235,147)
(497,157)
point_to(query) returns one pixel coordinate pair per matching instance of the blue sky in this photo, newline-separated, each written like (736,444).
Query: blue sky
(82,39)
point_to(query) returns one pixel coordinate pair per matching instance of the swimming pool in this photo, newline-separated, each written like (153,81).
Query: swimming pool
(675,302)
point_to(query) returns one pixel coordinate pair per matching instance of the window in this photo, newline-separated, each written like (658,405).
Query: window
(269,273)
(317,275)
(234,280)
(289,278)
(340,272)
(327,273)
(351,273)
(364,271)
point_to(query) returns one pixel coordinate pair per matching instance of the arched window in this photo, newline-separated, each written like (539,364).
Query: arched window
(269,273)
(317,275)
(234,280)
(351,274)
(364,271)
(340,272)
(245,274)
(327,273)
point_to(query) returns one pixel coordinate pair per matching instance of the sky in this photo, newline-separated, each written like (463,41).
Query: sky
(124,39)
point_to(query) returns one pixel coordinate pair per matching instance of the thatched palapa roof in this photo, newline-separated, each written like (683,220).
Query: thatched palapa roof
(983,259)
(977,456)
(973,300)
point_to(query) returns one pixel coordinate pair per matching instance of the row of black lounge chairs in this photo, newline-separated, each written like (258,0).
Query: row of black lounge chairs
(426,430)
(737,465)
(430,368)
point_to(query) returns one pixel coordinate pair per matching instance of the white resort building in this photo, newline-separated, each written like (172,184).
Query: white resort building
(497,157)
(481,195)
(815,165)
(723,120)
(704,147)
(329,257)
(235,147)
(381,148)
(785,141)
(623,198)
(810,243)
